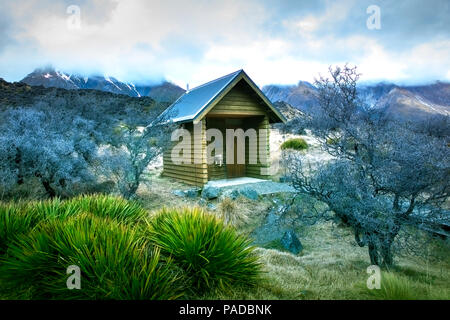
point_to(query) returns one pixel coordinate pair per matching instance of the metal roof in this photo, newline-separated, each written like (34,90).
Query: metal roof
(193,102)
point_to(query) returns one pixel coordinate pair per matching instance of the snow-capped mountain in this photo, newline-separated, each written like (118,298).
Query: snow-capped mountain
(407,102)
(49,77)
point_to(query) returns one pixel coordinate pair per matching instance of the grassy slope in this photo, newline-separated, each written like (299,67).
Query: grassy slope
(331,265)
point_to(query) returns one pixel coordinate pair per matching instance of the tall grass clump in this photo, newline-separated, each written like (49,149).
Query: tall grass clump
(230,213)
(18,218)
(115,262)
(15,220)
(295,144)
(212,254)
(393,287)
(113,207)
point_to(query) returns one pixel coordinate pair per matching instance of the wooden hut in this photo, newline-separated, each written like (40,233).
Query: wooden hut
(230,102)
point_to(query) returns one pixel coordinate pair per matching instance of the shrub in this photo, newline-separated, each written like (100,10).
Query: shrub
(211,253)
(115,262)
(295,144)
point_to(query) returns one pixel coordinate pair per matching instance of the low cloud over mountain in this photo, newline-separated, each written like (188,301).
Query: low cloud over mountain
(49,77)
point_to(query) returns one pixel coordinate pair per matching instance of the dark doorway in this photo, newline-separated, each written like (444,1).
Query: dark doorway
(235,170)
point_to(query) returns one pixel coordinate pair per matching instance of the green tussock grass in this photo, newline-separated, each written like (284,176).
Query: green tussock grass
(123,252)
(394,287)
(331,266)
(212,253)
(18,218)
(115,262)
(407,283)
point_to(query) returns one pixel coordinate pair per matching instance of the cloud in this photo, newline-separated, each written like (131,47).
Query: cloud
(195,41)
(333,13)
(131,35)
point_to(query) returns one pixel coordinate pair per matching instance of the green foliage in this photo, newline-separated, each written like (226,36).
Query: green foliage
(332,141)
(113,207)
(18,218)
(275,244)
(295,144)
(211,253)
(118,255)
(394,287)
(115,262)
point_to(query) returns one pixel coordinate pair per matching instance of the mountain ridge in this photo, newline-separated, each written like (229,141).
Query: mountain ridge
(397,101)
(49,77)
(402,102)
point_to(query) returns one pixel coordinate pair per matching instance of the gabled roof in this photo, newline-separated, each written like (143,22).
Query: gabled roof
(194,104)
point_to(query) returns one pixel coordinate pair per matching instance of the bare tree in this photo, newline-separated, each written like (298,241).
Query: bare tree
(39,145)
(61,139)
(131,150)
(384,175)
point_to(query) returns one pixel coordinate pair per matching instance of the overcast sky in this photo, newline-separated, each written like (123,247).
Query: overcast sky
(274,41)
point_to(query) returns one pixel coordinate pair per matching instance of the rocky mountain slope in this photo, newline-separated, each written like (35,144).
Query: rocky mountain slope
(287,110)
(401,102)
(302,96)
